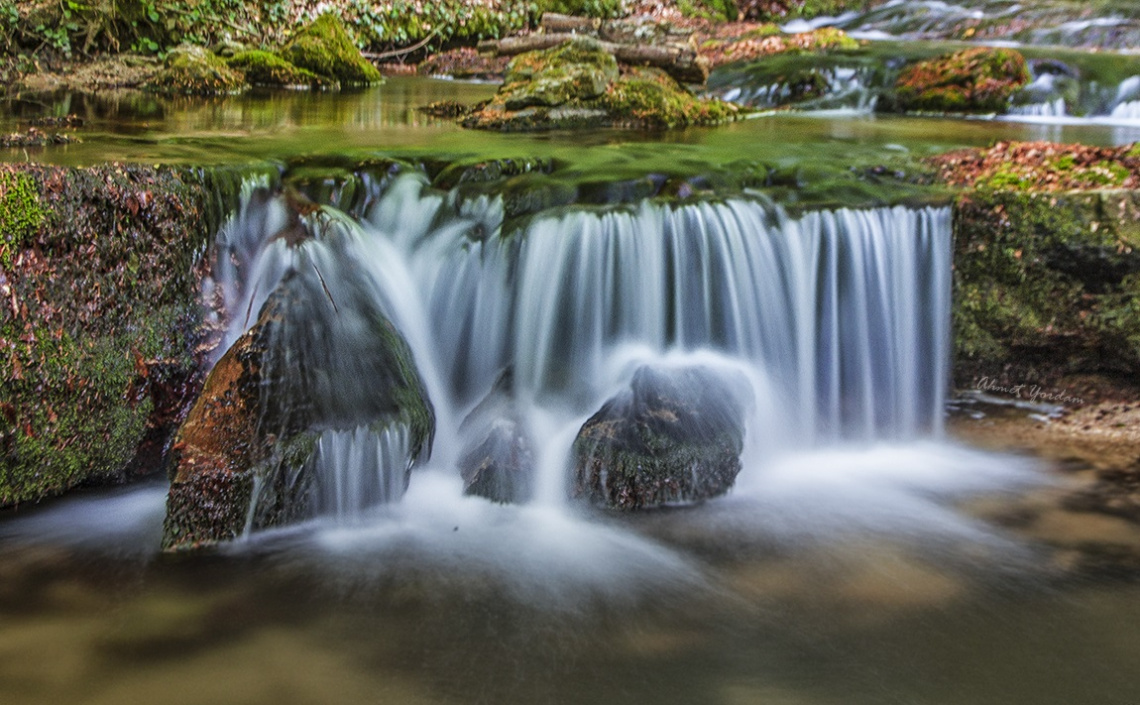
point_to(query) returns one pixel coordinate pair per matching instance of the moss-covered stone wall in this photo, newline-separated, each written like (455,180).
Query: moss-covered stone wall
(1047,289)
(98,317)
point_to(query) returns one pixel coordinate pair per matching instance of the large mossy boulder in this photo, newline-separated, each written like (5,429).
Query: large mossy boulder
(1046,287)
(326,49)
(674,436)
(498,460)
(574,71)
(193,70)
(97,271)
(321,358)
(267,68)
(977,80)
(578,84)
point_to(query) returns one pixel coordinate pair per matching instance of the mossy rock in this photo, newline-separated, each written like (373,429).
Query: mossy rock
(245,457)
(326,49)
(498,460)
(266,68)
(192,70)
(98,364)
(577,70)
(21,214)
(977,80)
(1046,286)
(578,85)
(649,97)
(674,436)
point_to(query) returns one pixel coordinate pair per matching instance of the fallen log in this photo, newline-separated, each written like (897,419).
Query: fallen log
(554,23)
(682,62)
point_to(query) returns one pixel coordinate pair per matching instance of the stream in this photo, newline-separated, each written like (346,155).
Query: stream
(858,559)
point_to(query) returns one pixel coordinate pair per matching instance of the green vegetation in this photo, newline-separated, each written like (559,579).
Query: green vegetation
(21,214)
(577,84)
(651,98)
(266,68)
(767,10)
(324,48)
(1045,284)
(104,323)
(969,81)
(192,70)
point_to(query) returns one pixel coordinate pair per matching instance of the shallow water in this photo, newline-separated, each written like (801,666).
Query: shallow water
(843,576)
(282,124)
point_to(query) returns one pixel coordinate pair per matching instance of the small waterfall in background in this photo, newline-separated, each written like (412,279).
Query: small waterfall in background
(843,315)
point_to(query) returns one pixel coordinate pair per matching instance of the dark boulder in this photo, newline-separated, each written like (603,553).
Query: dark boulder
(322,357)
(498,459)
(674,436)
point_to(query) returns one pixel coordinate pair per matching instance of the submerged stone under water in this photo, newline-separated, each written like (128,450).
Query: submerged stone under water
(835,322)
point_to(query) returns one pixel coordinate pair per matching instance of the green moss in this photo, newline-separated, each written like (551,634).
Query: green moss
(649,97)
(21,214)
(325,48)
(266,68)
(195,71)
(605,9)
(115,293)
(969,81)
(1045,285)
(709,9)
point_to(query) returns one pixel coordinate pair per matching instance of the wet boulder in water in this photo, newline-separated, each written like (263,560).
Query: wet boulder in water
(674,436)
(498,459)
(321,363)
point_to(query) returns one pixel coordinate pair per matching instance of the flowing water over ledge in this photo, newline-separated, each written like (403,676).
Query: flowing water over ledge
(849,564)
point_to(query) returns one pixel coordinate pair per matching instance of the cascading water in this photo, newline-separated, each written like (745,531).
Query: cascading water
(842,314)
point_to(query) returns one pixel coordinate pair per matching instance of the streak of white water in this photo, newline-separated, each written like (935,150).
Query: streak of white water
(840,317)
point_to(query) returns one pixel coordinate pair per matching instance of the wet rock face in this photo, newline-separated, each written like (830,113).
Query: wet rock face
(321,357)
(498,460)
(675,436)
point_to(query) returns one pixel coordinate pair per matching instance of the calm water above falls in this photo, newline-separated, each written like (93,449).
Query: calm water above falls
(847,566)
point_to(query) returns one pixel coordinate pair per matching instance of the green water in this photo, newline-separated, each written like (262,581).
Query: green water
(284,124)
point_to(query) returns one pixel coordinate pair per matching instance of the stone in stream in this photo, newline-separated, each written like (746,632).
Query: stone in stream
(578,84)
(321,359)
(498,459)
(674,436)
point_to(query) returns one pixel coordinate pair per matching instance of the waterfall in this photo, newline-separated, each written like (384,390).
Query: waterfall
(847,309)
(844,313)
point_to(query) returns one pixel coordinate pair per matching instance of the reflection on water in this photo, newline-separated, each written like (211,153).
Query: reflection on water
(133,126)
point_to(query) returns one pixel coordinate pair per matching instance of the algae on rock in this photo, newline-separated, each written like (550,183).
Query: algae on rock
(98,346)
(1046,285)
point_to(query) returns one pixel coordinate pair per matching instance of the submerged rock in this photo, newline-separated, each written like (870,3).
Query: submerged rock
(192,70)
(578,84)
(978,80)
(321,359)
(675,436)
(498,460)
(325,48)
